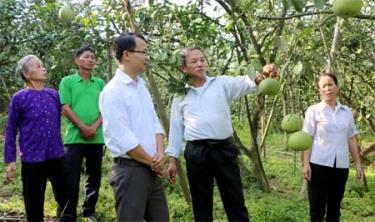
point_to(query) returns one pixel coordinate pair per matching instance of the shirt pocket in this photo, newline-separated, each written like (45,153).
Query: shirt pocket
(342,125)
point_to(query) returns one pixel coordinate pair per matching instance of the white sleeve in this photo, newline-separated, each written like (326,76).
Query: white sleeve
(157,126)
(118,138)
(309,124)
(352,129)
(176,130)
(238,86)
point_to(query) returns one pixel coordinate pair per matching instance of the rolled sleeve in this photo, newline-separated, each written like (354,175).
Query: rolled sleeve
(118,138)
(157,126)
(176,130)
(65,92)
(309,124)
(352,128)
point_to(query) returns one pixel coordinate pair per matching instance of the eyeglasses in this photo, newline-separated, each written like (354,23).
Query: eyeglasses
(138,51)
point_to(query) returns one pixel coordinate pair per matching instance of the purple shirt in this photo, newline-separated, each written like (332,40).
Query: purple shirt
(36,115)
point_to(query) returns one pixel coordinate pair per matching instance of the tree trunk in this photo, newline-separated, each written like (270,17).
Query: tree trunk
(231,8)
(165,122)
(258,169)
(264,123)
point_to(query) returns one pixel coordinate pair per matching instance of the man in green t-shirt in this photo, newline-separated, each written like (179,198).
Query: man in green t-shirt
(79,94)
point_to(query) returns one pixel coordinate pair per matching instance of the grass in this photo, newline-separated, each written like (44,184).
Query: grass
(283,204)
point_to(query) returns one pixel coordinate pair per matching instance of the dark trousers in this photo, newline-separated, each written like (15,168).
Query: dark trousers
(326,190)
(139,193)
(207,160)
(34,181)
(93,154)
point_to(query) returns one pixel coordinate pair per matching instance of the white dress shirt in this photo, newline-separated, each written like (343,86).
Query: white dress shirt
(204,112)
(331,131)
(129,117)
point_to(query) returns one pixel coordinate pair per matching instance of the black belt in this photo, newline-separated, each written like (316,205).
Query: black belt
(129,162)
(212,142)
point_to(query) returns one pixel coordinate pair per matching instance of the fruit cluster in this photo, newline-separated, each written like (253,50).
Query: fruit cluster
(298,140)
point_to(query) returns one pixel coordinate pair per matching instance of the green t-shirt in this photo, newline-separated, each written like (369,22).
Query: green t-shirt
(83,97)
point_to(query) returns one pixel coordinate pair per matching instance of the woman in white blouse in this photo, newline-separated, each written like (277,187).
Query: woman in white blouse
(326,164)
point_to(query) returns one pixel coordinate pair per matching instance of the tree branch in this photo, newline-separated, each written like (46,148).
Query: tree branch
(293,16)
(369,17)
(279,31)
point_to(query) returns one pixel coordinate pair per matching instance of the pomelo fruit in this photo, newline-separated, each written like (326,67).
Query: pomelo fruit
(66,13)
(269,86)
(292,123)
(347,8)
(300,141)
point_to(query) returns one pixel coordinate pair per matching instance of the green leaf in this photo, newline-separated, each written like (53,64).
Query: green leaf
(286,3)
(163,56)
(298,5)
(171,60)
(281,44)
(319,4)
(319,58)
(251,72)
(297,69)
(229,26)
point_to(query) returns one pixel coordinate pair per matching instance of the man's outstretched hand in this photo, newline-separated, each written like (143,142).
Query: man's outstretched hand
(270,71)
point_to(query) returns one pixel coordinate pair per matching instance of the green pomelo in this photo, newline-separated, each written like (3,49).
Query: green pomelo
(292,123)
(269,86)
(300,141)
(66,13)
(347,8)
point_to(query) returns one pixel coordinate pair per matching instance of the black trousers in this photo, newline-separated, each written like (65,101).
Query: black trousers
(207,160)
(34,181)
(93,154)
(139,193)
(326,190)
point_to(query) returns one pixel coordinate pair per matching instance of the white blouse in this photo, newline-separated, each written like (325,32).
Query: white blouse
(331,131)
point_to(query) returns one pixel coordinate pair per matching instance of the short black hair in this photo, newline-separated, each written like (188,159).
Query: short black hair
(83,49)
(126,41)
(329,74)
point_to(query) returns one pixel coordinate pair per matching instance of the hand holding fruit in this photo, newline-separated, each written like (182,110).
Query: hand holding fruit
(270,71)
(270,85)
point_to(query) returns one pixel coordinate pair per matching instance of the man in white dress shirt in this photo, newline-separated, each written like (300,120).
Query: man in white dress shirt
(202,117)
(133,136)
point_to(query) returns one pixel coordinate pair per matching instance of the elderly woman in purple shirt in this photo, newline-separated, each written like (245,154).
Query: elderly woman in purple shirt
(34,112)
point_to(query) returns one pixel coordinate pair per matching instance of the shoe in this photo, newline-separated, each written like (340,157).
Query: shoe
(92,218)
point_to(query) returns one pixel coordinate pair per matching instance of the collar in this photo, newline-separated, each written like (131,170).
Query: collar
(126,79)
(78,77)
(206,83)
(322,105)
